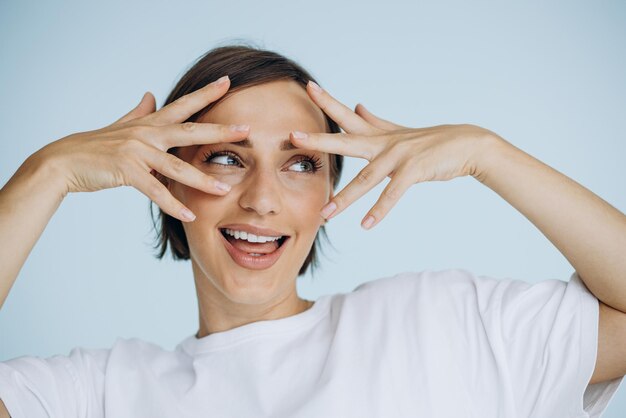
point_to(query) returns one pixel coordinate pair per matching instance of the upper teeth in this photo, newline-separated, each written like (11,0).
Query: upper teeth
(250,237)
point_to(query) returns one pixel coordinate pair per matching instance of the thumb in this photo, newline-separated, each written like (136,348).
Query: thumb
(146,106)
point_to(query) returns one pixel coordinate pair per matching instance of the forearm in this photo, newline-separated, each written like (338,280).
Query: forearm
(587,230)
(27,202)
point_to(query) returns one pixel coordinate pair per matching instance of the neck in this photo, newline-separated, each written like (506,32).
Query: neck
(218,313)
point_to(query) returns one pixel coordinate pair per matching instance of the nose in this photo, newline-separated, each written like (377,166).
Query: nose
(262,193)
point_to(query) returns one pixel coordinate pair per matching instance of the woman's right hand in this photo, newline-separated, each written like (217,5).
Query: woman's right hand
(133,150)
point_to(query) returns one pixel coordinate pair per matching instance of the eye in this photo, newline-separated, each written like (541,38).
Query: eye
(221,158)
(304,164)
(307,165)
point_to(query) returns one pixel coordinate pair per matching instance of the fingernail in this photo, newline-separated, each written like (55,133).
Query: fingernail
(222,186)
(328,210)
(368,222)
(187,214)
(315,86)
(221,80)
(239,128)
(299,135)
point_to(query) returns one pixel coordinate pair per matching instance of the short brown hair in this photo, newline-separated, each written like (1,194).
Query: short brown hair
(246,66)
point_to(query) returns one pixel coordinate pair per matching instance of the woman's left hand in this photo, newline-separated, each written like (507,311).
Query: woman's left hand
(406,155)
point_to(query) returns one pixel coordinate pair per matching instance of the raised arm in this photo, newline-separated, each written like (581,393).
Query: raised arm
(130,152)
(587,230)
(27,202)
(3,410)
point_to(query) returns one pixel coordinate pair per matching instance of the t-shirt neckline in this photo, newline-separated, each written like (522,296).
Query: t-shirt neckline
(224,339)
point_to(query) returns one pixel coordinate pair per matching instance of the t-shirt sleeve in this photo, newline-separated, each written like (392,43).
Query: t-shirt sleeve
(549,336)
(58,386)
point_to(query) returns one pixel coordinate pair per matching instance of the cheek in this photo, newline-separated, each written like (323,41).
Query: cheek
(302,196)
(232,177)
(305,197)
(206,205)
(306,191)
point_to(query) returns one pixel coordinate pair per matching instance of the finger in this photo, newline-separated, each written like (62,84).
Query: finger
(183,107)
(160,195)
(146,105)
(181,171)
(338,143)
(188,133)
(392,193)
(365,180)
(375,120)
(340,113)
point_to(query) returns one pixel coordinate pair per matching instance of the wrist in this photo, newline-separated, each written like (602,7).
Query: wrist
(487,149)
(46,173)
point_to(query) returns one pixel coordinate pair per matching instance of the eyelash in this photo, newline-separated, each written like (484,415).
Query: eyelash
(315,161)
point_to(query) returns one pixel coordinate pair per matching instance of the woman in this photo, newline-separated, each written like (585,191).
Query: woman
(243,170)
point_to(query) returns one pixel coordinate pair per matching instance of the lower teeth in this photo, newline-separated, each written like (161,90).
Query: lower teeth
(255,254)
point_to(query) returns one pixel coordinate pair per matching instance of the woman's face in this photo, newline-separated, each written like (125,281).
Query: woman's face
(274,186)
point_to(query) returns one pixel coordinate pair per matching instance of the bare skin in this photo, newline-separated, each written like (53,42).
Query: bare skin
(270,188)
(562,209)
(130,151)
(587,230)
(121,154)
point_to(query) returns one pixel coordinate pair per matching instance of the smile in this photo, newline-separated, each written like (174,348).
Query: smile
(253,251)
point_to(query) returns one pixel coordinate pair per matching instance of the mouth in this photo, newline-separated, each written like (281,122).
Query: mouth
(254,252)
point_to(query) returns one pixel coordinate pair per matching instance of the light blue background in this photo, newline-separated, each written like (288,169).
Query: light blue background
(547,77)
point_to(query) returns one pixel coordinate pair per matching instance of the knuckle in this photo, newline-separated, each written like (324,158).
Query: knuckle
(188,126)
(401,145)
(181,101)
(340,200)
(149,119)
(223,130)
(177,165)
(391,192)
(124,179)
(400,149)
(156,191)
(136,131)
(369,151)
(364,176)
(130,172)
(130,146)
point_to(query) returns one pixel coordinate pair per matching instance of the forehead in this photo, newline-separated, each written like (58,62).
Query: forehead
(273,108)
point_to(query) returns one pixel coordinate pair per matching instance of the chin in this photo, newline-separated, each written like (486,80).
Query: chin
(254,267)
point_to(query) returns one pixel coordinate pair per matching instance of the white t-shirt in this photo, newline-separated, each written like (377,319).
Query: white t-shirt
(418,344)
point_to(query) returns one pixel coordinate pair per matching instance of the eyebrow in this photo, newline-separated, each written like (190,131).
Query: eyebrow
(285,145)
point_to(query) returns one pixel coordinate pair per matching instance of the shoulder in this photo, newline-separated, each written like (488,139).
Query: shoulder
(134,349)
(124,351)
(447,282)
(423,291)
(458,289)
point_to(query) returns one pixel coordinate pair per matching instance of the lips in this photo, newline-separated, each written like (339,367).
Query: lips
(253,229)
(253,247)
(241,250)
